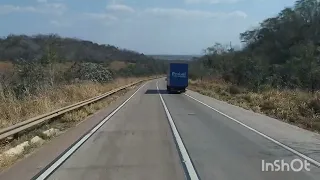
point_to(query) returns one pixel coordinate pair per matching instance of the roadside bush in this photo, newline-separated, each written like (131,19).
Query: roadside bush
(234,90)
(315,105)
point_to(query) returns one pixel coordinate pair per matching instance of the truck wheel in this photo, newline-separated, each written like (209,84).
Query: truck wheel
(168,89)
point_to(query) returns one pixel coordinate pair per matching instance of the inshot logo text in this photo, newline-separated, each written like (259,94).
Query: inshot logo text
(295,165)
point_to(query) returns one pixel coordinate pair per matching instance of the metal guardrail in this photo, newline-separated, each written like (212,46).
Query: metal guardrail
(14,129)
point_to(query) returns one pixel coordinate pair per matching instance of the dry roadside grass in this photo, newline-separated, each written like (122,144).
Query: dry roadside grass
(293,106)
(13,111)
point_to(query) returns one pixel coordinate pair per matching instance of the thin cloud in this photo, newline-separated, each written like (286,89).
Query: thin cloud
(183,13)
(55,22)
(6,9)
(120,7)
(100,16)
(42,1)
(212,1)
(45,8)
(59,23)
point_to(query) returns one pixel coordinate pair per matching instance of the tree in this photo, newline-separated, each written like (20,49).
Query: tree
(283,51)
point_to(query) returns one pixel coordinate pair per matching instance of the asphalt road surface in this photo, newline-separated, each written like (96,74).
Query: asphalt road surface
(139,142)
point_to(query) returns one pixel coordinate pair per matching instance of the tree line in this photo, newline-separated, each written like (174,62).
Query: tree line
(46,61)
(282,52)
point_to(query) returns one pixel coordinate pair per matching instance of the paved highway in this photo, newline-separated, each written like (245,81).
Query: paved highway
(173,136)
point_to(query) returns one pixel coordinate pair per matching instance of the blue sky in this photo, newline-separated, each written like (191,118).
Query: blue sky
(147,26)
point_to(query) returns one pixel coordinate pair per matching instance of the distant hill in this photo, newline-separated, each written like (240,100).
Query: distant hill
(15,47)
(175,57)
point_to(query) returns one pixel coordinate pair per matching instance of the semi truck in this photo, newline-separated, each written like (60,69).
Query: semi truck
(177,77)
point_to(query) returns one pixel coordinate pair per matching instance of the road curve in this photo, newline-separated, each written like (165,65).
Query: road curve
(138,142)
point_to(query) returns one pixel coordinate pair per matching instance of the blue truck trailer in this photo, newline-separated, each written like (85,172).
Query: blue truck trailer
(177,77)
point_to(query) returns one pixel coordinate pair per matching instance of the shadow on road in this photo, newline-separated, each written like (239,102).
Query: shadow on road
(161,91)
(155,91)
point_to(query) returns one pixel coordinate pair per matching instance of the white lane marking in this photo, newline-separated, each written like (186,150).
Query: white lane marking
(65,156)
(186,159)
(316,163)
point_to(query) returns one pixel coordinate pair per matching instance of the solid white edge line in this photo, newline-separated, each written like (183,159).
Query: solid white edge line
(186,159)
(65,156)
(316,163)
